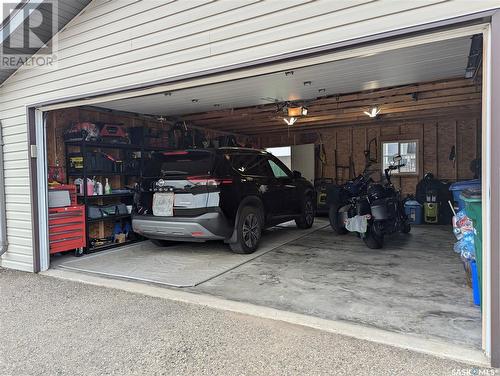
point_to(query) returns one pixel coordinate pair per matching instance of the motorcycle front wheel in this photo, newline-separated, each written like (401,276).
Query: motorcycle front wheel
(335,223)
(372,239)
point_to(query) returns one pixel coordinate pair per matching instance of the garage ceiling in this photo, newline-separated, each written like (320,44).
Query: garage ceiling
(423,63)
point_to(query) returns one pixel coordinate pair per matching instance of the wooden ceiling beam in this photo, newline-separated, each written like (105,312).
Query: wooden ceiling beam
(452,109)
(437,103)
(466,112)
(440,88)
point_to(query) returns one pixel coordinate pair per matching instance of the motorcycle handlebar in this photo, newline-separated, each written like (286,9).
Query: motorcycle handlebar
(396,167)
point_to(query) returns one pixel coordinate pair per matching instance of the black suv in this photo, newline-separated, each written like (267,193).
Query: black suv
(229,193)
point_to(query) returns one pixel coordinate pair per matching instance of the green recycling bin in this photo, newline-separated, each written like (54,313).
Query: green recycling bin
(474,210)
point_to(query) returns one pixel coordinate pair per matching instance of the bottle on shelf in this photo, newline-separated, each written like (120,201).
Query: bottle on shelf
(99,188)
(107,187)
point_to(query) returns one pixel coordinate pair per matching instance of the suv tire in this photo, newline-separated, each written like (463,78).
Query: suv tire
(306,218)
(248,230)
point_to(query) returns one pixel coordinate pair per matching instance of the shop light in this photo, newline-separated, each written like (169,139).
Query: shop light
(296,111)
(373,113)
(290,121)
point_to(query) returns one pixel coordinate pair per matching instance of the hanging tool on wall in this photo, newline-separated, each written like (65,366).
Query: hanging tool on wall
(322,155)
(453,155)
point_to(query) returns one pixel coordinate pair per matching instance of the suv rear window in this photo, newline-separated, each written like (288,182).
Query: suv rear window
(186,162)
(248,163)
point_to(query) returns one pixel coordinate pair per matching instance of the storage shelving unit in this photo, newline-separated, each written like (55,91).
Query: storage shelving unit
(85,147)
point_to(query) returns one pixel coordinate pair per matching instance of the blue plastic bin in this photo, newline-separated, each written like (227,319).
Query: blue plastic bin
(457,188)
(476,288)
(413,210)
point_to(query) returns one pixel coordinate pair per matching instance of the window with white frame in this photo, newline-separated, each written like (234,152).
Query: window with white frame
(408,151)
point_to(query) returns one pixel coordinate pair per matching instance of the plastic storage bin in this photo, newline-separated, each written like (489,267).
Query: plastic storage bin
(474,210)
(476,285)
(413,210)
(457,188)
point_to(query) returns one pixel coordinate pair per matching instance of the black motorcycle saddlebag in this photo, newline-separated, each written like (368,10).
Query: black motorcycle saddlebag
(384,209)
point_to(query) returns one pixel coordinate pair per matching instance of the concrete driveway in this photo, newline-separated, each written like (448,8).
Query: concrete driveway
(55,327)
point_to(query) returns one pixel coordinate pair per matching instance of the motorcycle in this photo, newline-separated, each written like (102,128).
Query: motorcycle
(372,214)
(341,195)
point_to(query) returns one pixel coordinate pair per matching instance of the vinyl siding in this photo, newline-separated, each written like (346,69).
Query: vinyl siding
(118,43)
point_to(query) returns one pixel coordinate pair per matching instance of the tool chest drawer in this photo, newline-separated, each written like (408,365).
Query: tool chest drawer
(67,228)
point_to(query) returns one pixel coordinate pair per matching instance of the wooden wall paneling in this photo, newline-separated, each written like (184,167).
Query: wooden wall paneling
(430,148)
(343,147)
(446,135)
(466,147)
(330,143)
(359,144)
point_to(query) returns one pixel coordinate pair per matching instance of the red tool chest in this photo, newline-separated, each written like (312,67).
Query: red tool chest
(67,225)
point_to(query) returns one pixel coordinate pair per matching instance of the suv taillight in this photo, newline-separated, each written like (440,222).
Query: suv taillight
(209,181)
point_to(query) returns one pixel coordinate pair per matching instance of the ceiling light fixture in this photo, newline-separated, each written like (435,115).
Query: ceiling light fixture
(290,121)
(167,94)
(307,83)
(289,73)
(296,111)
(322,90)
(373,113)
(195,100)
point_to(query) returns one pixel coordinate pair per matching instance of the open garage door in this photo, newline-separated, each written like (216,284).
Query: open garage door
(359,114)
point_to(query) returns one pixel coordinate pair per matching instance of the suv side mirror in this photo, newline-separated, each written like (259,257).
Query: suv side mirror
(296,174)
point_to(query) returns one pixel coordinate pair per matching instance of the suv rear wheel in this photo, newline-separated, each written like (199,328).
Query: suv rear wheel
(248,230)
(306,218)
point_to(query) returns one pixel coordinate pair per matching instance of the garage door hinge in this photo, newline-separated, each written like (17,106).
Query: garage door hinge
(33,151)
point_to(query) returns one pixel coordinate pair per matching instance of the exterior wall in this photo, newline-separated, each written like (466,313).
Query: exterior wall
(113,44)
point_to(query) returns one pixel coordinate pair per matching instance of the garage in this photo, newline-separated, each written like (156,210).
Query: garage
(345,126)
(352,116)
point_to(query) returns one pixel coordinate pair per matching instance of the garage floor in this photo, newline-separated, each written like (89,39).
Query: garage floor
(415,285)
